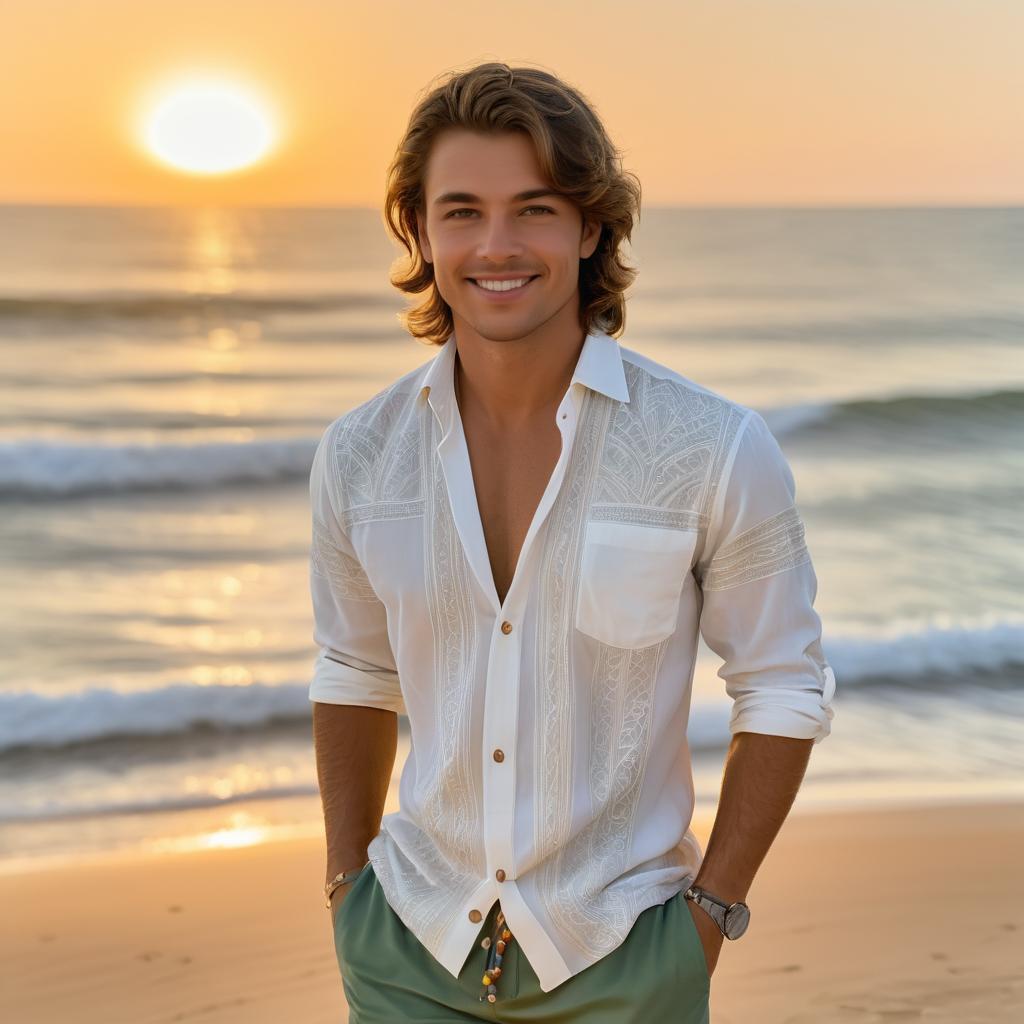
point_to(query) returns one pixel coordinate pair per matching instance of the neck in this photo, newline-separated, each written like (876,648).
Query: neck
(510,384)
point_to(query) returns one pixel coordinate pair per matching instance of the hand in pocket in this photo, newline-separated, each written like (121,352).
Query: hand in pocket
(711,937)
(337,898)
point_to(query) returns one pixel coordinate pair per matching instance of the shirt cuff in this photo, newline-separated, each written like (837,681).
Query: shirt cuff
(337,682)
(795,713)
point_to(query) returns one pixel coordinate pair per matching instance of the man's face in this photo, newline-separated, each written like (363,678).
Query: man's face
(496,234)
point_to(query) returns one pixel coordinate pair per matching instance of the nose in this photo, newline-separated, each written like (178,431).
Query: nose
(499,241)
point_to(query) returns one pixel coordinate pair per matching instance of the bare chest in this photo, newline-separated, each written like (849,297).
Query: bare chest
(510,475)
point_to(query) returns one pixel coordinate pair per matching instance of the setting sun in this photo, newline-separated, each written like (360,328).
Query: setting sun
(208,127)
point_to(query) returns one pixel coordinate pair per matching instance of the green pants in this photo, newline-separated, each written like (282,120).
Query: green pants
(658,974)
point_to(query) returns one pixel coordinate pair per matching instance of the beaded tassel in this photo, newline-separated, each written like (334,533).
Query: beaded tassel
(496,945)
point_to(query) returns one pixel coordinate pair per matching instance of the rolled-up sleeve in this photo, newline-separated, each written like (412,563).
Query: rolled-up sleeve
(759,587)
(355,663)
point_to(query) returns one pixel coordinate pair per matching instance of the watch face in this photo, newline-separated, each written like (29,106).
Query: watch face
(737,917)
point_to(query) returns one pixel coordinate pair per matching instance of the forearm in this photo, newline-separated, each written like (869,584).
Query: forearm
(761,779)
(355,755)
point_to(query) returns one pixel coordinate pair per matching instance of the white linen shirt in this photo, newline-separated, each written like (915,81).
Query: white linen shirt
(548,763)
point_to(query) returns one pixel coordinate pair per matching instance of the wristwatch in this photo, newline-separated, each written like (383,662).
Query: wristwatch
(732,918)
(342,878)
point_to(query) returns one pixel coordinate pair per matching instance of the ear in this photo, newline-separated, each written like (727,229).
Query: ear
(590,237)
(421,229)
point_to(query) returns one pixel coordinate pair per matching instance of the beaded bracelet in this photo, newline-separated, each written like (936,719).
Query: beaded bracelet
(496,944)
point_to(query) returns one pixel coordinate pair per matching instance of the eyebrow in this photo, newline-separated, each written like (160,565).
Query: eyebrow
(468,197)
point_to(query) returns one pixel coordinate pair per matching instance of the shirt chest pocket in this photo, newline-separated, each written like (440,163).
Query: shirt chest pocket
(631,579)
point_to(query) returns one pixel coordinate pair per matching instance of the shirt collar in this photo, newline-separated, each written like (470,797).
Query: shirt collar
(599,368)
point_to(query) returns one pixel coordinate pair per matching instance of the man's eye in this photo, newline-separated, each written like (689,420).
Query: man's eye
(546,209)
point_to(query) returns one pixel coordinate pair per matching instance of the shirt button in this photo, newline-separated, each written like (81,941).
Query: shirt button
(475,916)
(506,628)
(499,875)
(499,755)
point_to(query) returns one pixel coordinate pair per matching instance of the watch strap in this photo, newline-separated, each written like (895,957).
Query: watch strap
(710,906)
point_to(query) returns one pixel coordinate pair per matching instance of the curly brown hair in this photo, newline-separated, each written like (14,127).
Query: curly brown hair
(574,153)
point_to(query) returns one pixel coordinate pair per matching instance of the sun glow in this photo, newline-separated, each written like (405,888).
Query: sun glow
(208,126)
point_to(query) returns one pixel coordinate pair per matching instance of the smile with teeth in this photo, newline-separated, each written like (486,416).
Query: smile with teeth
(502,286)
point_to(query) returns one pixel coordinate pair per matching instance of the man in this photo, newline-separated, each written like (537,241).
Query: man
(516,545)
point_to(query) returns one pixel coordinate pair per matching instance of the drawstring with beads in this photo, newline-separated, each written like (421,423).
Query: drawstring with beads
(496,944)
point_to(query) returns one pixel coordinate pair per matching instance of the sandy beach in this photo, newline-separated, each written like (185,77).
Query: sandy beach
(859,916)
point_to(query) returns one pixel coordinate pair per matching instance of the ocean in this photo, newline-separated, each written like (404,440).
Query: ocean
(168,372)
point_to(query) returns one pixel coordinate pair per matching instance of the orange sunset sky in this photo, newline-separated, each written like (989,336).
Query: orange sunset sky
(800,102)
